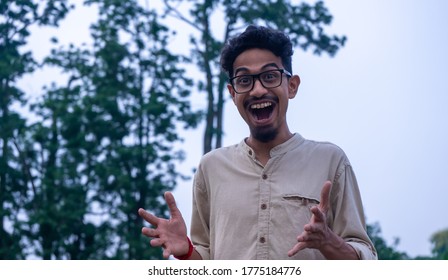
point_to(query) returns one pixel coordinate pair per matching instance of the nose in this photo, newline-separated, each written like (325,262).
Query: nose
(258,90)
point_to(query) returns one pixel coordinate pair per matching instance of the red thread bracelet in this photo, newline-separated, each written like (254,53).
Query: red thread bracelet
(190,251)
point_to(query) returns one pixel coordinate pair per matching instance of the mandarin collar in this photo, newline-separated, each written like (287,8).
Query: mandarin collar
(290,144)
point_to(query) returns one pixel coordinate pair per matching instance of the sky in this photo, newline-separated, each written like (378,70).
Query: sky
(382,99)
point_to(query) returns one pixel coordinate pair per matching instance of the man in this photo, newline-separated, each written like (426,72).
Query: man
(275,195)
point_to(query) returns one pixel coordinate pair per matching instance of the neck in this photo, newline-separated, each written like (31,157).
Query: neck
(262,149)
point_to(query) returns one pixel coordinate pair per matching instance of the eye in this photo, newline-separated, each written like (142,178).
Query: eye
(243,80)
(270,76)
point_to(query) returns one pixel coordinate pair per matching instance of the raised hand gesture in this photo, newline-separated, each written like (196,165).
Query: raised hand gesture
(316,234)
(170,234)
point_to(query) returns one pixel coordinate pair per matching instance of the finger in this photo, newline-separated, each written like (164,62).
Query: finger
(319,215)
(299,246)
(150,218)
(302,238)
(310,233)
(166,253)
(150,232)
(309,228)
(307,238)
(324,204)
(156,242)
(171,202)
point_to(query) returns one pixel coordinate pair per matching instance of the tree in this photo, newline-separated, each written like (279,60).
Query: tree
(304,22)
(57,225)
(439,242)
(105,142)
(385,251)
(124,101)
(16,19)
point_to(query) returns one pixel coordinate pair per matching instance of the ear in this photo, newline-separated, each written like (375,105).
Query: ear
(231,91)
(293,86)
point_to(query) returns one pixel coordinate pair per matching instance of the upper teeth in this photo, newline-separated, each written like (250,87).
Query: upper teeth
(261,105)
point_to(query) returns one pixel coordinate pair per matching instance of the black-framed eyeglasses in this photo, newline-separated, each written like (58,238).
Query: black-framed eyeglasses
(268,79)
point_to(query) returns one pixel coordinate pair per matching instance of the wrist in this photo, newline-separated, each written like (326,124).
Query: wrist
(190,251)
(338,249)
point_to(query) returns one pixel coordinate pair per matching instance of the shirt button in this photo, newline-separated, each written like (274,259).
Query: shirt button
(264,206)
(250,152)
(265,176)
(262,239)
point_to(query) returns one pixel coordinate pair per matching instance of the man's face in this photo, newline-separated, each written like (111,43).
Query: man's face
(264,110)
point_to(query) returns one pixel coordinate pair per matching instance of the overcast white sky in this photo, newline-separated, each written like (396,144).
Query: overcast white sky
(382,99)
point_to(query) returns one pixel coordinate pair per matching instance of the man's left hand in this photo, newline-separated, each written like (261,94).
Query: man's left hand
(316,233)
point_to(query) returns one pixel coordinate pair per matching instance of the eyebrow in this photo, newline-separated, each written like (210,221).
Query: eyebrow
(273,64)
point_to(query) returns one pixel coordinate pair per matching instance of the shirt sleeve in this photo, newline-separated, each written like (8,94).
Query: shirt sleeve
(200,220)
(348,214)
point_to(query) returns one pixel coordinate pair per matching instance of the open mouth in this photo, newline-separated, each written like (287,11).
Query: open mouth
(262,111)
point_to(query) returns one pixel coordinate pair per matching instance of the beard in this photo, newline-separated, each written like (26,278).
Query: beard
(264,134)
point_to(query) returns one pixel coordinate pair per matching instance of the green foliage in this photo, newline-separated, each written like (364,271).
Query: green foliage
(439,242)
(105,142)
(109,133)
(17,17)
(385,251)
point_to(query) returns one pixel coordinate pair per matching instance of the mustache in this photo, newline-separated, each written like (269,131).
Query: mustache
(252,100)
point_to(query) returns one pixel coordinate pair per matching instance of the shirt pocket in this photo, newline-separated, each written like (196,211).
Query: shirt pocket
(300,204)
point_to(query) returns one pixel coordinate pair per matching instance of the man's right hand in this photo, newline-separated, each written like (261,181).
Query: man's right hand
(170,234)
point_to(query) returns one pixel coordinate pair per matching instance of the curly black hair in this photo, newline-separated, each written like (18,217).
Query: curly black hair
(257,37)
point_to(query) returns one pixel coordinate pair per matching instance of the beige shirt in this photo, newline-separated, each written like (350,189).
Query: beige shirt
(242,210)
